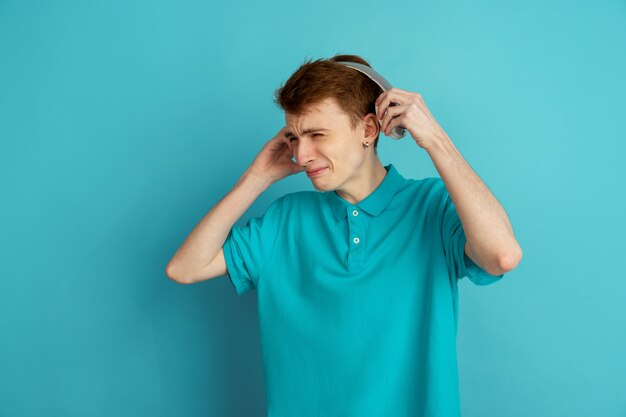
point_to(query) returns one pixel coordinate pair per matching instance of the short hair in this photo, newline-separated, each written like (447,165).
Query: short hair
(317,80)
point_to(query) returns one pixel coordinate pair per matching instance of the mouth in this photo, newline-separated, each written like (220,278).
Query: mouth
(316,173)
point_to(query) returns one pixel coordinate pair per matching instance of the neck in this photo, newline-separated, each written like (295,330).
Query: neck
(363,182)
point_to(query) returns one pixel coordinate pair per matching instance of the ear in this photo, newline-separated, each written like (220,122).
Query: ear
(372,125)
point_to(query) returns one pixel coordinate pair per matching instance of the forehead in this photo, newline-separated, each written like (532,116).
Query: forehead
(324,115)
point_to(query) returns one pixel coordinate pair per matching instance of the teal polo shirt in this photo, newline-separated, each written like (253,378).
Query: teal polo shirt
(357,303)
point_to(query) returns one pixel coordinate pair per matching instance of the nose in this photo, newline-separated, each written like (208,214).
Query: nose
(302,151)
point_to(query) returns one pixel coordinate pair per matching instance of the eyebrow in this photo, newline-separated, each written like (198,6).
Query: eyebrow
(306,131)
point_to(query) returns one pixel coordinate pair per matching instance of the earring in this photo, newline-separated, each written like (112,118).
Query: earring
(366,144)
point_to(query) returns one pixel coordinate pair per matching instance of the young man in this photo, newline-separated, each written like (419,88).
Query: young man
(357,281)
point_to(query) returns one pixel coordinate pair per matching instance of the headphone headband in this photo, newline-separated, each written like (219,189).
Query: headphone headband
(397,132)
(369,71)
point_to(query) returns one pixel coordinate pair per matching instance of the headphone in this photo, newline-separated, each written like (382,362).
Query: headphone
(397,132)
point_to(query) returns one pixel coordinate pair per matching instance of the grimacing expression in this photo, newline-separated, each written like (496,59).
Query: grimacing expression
(323,138)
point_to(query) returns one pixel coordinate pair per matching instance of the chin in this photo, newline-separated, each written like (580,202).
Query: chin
(320,186)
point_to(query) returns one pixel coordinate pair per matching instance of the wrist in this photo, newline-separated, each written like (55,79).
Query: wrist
(254,181)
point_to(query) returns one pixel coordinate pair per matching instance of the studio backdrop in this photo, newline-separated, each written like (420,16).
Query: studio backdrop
(122,123)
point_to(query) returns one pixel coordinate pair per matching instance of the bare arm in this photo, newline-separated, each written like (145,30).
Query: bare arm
(192,262)
(490,242)
(201,256)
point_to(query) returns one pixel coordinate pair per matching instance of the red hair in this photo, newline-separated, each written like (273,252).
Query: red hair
(317,80)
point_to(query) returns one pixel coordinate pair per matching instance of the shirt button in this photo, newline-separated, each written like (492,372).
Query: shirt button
(356,240)
(355,213)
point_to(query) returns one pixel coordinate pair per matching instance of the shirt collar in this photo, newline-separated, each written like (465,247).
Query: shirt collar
(375,202)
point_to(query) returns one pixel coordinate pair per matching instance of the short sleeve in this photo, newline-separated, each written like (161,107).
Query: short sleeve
(248,248)
(453,237)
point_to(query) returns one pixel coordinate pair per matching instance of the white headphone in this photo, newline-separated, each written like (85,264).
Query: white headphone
(397,132)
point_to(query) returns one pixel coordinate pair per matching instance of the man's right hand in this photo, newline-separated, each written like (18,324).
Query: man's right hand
(273,163)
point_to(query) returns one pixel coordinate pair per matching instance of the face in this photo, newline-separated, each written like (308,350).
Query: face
(323,138)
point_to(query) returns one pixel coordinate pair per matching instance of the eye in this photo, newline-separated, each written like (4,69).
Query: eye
(314,134)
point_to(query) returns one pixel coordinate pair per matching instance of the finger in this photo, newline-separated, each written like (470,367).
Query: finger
(285,140)
(393,95)
(380,97)
(386,98)
(392,125)
(382,109)
(392,112)
(384,106)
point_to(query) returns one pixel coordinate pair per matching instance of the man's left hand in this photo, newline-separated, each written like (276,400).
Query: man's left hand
(411,113)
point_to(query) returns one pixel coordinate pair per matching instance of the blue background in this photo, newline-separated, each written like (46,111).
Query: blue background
(123,122)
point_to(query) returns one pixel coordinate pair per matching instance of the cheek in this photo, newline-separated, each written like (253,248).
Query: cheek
(354,154)
(342,152)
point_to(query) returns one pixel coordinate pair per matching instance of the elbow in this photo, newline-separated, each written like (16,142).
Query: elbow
(171,273)
(510,260)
